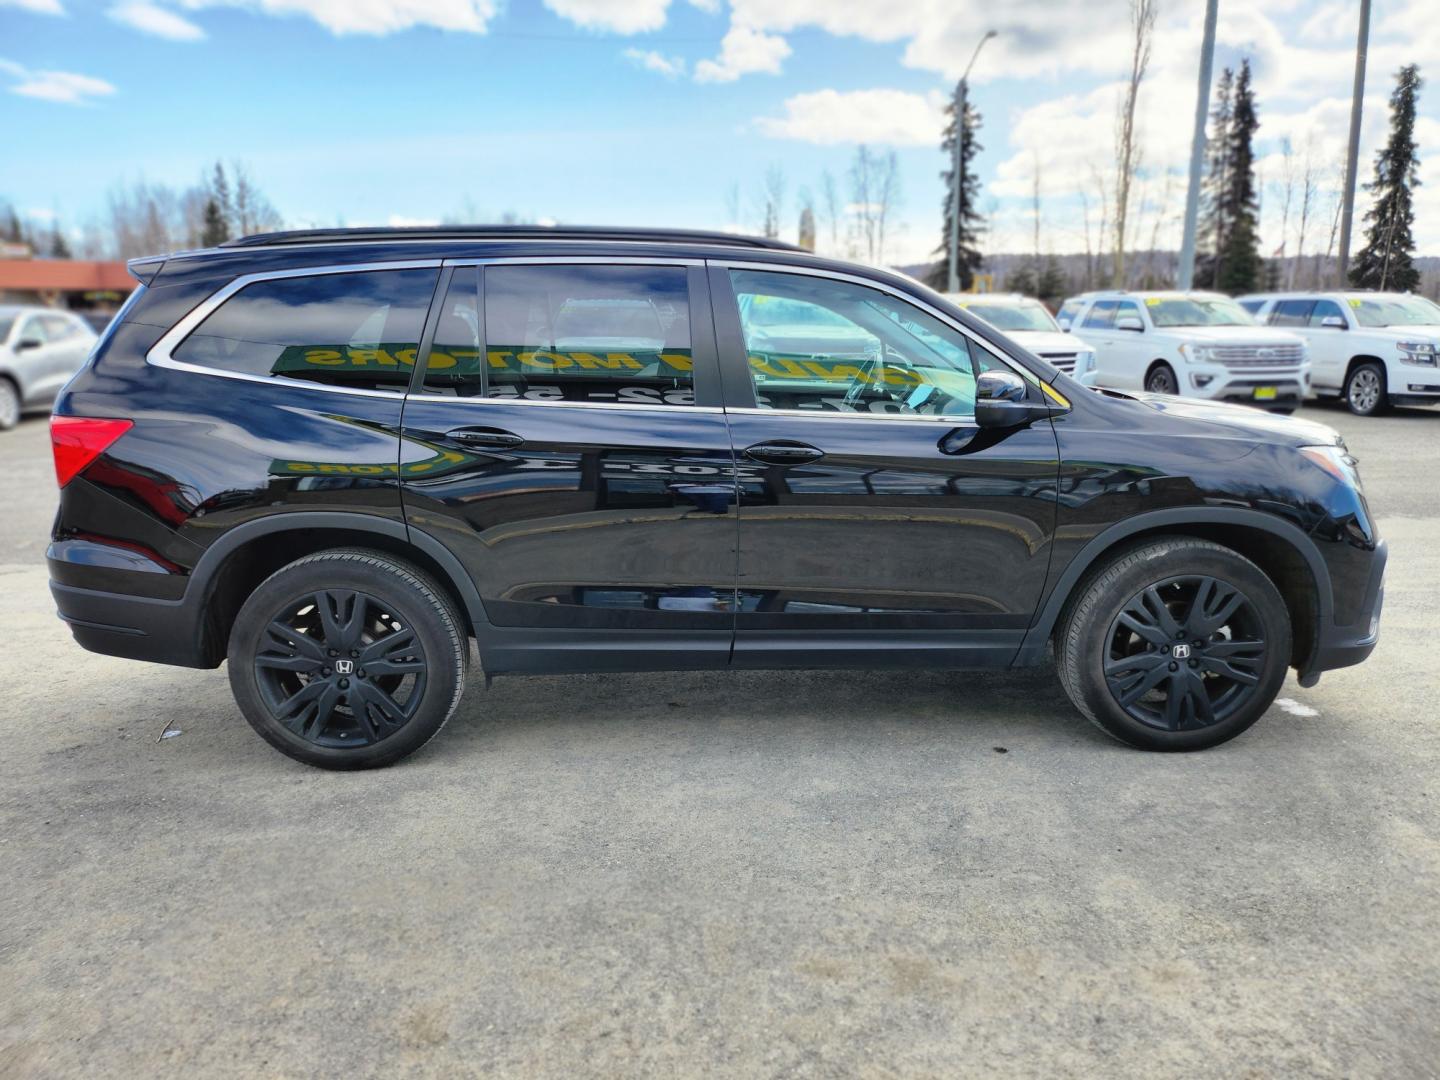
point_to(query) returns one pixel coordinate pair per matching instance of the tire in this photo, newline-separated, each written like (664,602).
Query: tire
(1161,379)
(9,405)
(1124,675)
(287,659)
(1365,391)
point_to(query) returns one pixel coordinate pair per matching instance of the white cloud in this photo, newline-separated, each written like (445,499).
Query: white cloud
(376,17)
(890,117)
(743,50)
(650,60)
(152,19)
(400,221)
(40,7)
(619,16)
(65,87)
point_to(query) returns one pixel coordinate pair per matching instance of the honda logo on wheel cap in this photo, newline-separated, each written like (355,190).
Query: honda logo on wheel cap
(344,667)
(1181,652)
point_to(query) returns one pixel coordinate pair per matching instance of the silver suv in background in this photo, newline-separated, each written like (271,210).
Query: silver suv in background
(40,348)
(1193,344)
(1028,323)
(1370,349)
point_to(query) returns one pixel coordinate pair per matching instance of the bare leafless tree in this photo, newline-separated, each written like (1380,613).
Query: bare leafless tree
(874,191)
(1127,147)
(830,201)
(253,211)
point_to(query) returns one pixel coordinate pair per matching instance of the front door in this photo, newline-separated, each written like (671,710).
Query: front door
(874,512)
(579,464)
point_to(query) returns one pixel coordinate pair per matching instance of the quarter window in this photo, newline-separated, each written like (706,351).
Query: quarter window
(816,343)
(597,334)
(356,330)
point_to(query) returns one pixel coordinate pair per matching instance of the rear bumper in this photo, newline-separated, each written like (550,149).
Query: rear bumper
(1345,646)
(134,627)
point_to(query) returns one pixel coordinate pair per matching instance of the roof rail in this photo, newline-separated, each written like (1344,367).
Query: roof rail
(504,232)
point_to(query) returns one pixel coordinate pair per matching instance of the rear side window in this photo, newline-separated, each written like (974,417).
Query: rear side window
(354,330)
(1291,313)
(596,334)
(1101,315)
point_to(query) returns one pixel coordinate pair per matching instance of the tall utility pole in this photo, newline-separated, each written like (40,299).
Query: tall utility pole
(1357,97)
(1197,148)
(957,167)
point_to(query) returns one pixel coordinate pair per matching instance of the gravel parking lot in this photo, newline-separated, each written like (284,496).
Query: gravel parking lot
(757,874)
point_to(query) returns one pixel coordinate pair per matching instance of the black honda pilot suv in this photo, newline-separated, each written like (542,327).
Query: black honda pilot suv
(334,457)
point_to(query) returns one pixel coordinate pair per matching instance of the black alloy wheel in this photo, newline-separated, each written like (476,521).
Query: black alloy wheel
(339,669)
(348,659)
(1185,653)
(1162,380)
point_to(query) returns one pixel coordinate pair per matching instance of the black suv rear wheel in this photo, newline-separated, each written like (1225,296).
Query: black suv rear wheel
(348,659)
(1179,644)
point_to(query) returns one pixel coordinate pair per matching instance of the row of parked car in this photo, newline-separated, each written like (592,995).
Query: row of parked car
(1370,349)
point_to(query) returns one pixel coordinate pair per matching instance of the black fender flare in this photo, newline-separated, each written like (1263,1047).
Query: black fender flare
(1033,647)
(202,578)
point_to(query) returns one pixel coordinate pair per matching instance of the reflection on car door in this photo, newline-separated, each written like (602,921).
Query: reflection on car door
(872,506)
(579,464)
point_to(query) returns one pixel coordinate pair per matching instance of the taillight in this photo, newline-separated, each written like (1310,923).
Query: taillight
(79,440)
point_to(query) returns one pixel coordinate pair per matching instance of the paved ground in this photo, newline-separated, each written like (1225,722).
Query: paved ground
(747,875)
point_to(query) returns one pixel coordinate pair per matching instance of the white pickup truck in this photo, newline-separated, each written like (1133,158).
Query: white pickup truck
(1371,349)
(1194,344)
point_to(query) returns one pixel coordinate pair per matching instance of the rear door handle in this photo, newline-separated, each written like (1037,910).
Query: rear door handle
(491,438)
(784,453)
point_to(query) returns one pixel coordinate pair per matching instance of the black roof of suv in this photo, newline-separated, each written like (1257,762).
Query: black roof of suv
(336,456)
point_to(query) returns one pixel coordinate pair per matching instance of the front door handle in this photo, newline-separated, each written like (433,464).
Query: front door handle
(784,453)
(491,438)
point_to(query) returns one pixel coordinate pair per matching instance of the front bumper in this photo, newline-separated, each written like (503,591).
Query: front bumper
(1345,646)
(1277,389)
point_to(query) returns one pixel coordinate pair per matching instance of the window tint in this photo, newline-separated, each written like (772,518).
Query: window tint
(816,343)
(356,330)
(32,329)
(1069,310)
(454,364)
(1252,306)
(1325,309)
(1291,313)
(1102,314)
(1127,309)
(589,333)
(58,327)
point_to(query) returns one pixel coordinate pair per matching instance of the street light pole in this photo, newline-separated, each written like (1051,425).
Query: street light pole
(1357,96)
(957,168)
(1186,277)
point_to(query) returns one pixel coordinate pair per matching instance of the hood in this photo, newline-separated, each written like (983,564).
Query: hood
(1040,342)
(1235,335)
(1240,419)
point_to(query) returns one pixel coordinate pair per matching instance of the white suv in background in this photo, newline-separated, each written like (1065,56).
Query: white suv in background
(1371,349)
(1195,344)
(1029,323)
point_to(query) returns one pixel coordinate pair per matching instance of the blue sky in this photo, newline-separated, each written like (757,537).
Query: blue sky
(649,111)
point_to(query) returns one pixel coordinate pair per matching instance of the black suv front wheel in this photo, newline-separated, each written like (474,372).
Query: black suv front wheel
(1178,644)
(348,659)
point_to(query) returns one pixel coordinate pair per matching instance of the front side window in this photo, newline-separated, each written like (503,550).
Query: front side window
(1128,310)
(1325,309)
(1291,313)
(357,330)
(596,334)
(820,344)
(1068,311)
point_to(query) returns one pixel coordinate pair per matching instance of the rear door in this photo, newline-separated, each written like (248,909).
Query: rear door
(578,461)
(874,512)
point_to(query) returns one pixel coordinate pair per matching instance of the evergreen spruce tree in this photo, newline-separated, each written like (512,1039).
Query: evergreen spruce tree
(1385,261)
(59,249)
(1240,263)
(1022,279)
(1052,284)
(971,221)
(1212,221)
(215,229)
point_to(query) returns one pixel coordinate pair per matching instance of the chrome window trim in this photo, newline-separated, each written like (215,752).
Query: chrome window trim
(955,419)
(160,354)
(578,260)
(947,419)
(679,410)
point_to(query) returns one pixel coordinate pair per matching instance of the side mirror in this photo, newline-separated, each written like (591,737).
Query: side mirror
(1002,401)
(1130,322)
(28,343)
(1334,322)
(1065,325)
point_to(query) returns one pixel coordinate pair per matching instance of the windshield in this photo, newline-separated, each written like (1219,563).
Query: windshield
(1391,311)
(1026,316)
(1203,311)
(5,323)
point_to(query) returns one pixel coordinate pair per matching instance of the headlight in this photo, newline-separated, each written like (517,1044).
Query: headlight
(1197,354)
(1336,461)
(1417,352)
